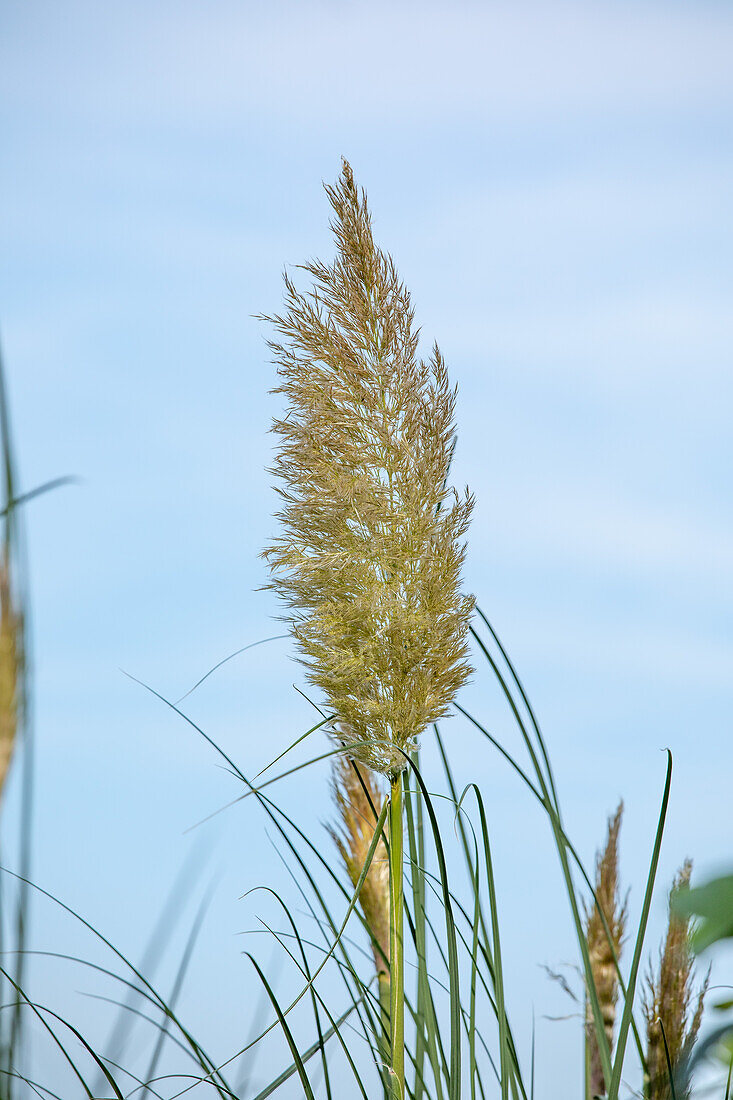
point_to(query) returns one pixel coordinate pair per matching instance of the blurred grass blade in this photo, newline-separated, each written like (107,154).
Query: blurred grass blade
(178,983)
(39,490)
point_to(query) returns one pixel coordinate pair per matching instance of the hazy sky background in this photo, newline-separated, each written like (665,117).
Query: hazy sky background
(554,181)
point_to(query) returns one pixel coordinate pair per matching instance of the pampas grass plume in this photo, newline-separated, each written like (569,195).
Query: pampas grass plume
(368,562)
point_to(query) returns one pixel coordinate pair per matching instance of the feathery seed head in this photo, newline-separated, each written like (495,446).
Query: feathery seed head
(369,559)
(600,950)
(669,998)
(359,802)
(11,657)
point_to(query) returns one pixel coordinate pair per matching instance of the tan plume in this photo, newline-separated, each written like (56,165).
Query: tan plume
(359,802)
(604,940)
(370,555)
(11,662)
(670,998)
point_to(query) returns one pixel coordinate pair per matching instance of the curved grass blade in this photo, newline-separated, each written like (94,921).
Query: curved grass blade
(38,1011)
(305,1057)
(161,934)
(525,699)
(35,1086)
(305,971)
(670,1071)
(322,1039)
(362,996)
(570,847)
(39,490)
(160,1027)
(200,1054)
(287,1032)
(230,657)
(454,1081)
(425,1023)
(498,968)
(504,1025)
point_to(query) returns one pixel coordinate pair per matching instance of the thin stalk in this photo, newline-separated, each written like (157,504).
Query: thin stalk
(396,954)
(384,1006)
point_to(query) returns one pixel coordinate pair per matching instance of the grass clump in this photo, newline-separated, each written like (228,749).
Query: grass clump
(368,567)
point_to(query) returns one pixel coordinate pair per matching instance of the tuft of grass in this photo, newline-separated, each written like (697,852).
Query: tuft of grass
(407,923)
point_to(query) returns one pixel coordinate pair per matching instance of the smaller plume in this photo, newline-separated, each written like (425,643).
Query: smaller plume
(11,663)
(669,998)
(601,950)
(359,802)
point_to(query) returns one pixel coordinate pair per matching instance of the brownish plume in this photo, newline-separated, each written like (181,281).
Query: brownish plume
(11,659)
(669,999)
(359,801)
(603,942)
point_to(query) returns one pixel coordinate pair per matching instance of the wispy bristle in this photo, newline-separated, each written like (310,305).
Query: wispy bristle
(601,948)
(669,998)
(370,557)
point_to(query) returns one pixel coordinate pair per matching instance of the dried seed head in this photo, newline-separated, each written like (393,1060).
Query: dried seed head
(11,657)
(370,555)
(359,802)
(669,997)
(601,949)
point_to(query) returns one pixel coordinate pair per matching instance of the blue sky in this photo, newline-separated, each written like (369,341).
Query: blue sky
(554,181)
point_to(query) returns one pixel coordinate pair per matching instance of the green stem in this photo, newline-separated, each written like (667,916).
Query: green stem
(383,1039)
(396,954)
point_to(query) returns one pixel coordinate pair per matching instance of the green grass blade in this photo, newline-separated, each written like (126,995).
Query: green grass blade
(305,1056)
(454,1082)
(396,940)
(416,848)
(498,967)
(571,849)
(204,1061)
(517,1084)
(40,1011)
(561,846)
(308,1091)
